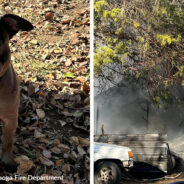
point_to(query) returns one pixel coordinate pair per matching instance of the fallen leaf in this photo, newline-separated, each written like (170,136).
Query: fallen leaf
(68,74)
(64,148)
(81,151)
(58,163)
(56,150)
(66,21)
(86,88)
(46,161)
(24,164)
(40,113)
(68,62)
(47,153)
(74,140)
(78,113)
(66,168)
(56,141)
(34,42)
(49,16)
(81,11)
(38,134)
(73,155)
(80,78)
(74,38)
(83,142)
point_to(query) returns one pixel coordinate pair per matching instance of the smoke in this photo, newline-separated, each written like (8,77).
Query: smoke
(124,111)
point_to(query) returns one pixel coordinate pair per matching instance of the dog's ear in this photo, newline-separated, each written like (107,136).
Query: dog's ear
(13,23)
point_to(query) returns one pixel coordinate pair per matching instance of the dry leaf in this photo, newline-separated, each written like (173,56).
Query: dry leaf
(58,163)
(47,153)
(38,134)
(40,113)
(64,148)
(56,141)
(46,161)
(49,16)
(24,164)
(83,142)
(56,150)
(74,140)
(68,62)
(66,168)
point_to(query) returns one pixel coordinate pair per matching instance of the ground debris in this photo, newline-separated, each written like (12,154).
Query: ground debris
(52,63)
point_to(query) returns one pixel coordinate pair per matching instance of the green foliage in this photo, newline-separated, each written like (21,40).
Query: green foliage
(103,12)
(167,39)
(99,6)
(115,14)
(68,75)
(136,24)
(103,57)
(146,40)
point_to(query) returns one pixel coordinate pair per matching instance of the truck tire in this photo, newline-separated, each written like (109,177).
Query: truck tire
(107,172)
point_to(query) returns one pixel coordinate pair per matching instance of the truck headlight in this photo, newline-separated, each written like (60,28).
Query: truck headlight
(127,164)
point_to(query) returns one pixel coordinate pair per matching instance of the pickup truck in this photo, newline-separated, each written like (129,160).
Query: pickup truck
(110,160)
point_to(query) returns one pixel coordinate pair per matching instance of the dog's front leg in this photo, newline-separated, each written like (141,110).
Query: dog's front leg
(9,129)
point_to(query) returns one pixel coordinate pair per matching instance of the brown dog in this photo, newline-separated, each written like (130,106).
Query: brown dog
(9,88)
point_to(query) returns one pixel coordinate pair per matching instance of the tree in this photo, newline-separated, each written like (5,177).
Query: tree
(141,42)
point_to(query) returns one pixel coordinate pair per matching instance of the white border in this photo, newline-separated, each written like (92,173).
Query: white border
(91,92)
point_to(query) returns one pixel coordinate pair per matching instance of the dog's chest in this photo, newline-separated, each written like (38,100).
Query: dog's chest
(9,90)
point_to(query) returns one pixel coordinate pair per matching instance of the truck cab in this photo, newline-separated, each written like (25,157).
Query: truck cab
(110,160)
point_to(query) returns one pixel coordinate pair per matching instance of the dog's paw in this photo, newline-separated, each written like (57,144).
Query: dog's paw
(8,163)
(10,167)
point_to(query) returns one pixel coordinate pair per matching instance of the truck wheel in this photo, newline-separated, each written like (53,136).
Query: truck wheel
(107,173)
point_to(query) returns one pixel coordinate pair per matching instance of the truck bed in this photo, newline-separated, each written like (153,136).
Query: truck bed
(147,148)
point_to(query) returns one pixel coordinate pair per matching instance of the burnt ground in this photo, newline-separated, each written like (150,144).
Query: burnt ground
(165,179)
(158,177)
(52,64)
(154,175)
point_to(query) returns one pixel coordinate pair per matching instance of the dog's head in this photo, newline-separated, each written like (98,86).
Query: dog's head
(9,25)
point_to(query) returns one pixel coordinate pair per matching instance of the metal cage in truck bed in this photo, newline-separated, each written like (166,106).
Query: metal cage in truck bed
(151,149)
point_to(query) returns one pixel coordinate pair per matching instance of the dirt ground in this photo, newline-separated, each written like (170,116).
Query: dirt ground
(52,64)
(168,179)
